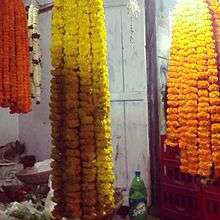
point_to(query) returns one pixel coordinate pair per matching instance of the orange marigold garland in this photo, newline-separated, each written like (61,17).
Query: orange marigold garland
(6,50)
(214,8)
(22,60)
(19,58)
(1,53)
(174,80)
(14,85)
(188,99)
(180,94)
(193,66)
(13,73)
(25,52)
(204,36)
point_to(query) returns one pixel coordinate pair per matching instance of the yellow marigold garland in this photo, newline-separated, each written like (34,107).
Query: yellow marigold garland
(57,34)
(86,110)
(80,106)
(101,90)
(71,118)
(57,110)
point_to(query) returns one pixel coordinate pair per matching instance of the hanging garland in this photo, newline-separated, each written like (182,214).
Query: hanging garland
(80,111)
(101,97)
(193,92)
(71,124)
(206,61)
(35,51)
(6,51)
(214,8)
(56,115)
(1,54)
(86,111)
(15,84)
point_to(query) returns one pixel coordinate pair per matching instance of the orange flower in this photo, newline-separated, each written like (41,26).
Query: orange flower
(172,111)
(14,60)
(215,109)
(214,94)
(204,123)
(193,67)
(192,123)
(213,79)
(215,117)
(22,60)
(202,84)
(1,53)
(6,50)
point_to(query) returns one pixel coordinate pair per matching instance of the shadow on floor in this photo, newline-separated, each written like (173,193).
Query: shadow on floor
(149,218)
(123,212)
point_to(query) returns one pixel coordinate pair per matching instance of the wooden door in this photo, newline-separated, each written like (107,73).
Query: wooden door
(127,69)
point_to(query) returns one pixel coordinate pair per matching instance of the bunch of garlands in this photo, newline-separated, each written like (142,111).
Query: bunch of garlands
(35,52)
(214,8)
(82,174)
(14,57)
(193,122)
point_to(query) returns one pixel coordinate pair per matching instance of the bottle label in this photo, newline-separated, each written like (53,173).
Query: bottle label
(139,210)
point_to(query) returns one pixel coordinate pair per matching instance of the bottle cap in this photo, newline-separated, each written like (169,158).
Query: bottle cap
(138,173)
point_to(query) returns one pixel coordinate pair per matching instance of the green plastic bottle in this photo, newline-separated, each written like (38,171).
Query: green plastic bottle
(138,198)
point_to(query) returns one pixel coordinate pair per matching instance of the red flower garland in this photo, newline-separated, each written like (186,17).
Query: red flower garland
(15,90)
(13,76)
(6,55)
(1,53)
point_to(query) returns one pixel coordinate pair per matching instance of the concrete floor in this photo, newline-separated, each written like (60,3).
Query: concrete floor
(152,218)
(149,218)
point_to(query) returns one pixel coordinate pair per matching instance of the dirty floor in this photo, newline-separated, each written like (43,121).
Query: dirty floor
(149,218)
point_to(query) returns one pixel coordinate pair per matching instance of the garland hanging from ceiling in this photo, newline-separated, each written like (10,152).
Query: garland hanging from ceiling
(214,8)
(35,52)
(14,57)
(193,122)
(82,176)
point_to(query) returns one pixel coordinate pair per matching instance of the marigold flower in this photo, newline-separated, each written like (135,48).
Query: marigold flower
(202,84)
(193,64)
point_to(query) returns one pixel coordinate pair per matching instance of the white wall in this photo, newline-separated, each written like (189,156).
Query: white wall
(8,127)
(164,25)
(34,128)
